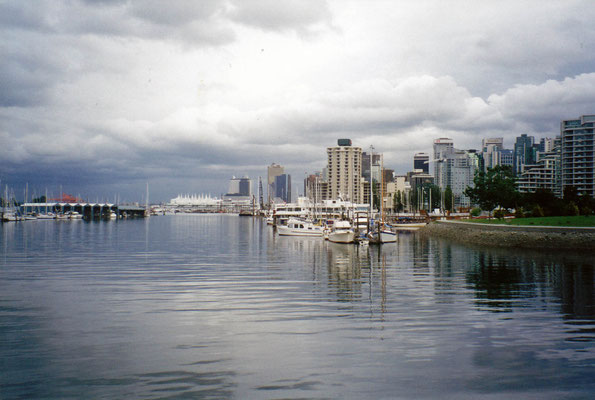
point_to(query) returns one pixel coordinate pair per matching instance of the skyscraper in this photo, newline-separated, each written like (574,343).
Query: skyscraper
(490,152)
(422,161)
(283,187)
(577,154)
(524,152)
(344,163)
(273,171)
(443,147)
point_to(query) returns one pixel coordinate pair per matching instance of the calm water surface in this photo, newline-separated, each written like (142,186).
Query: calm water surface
(217,306)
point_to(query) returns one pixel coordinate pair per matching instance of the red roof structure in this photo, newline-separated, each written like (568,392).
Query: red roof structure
(67,198)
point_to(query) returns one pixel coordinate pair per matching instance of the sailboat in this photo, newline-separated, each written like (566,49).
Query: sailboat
(381,233)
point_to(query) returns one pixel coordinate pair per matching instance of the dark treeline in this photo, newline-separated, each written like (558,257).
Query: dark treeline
(496,189)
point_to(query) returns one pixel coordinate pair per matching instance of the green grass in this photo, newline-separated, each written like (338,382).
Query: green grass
(543,221)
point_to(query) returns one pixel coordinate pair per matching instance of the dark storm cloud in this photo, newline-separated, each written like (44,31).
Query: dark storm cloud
(117,91)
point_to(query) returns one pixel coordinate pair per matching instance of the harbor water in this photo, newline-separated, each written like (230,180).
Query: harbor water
(219,307)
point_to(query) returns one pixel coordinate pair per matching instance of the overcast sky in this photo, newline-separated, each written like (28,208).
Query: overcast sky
(101,97)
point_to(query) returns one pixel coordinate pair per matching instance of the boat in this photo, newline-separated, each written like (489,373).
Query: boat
(46,216)
(113,215)
(10,216)
(382,233)
(341,233)
(411,226)
(74,215)
(297,227)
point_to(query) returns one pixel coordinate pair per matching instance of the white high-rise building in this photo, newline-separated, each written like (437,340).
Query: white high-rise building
(344,164)
(577,154)
(455,169)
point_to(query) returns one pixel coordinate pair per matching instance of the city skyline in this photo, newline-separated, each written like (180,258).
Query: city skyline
(100,98)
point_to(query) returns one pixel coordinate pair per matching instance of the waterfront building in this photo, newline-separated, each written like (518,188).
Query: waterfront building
(344,163)
(197,200)
(422,161)
(273,171)
(578,154)
(544,174)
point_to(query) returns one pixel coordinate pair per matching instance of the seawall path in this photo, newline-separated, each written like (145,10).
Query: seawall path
(551,237)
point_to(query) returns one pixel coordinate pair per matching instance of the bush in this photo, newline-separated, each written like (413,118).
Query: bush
(475,212)
(499,213)
(571,209)
(519,213)
(537,211)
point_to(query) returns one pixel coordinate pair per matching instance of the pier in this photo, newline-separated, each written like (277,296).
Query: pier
(89,211)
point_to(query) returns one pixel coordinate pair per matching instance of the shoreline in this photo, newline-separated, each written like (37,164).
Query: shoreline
(513,236)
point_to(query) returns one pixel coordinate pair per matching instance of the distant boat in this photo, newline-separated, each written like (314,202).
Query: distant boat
(342,233)
(412,226)
(46,216)
(246,213)
(10,216)
(74,215)
(297,227)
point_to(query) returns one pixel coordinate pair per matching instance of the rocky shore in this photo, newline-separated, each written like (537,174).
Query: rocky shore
(513,236)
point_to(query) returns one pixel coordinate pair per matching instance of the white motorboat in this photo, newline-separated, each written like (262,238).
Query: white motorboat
(10,216)
(297,227)
(74,215)
(46,216)
(341,233)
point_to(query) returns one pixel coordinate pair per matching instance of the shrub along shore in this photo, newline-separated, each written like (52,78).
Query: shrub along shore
(514,236)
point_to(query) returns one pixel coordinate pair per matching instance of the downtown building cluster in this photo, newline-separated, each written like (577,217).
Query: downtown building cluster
(356,175)
(549,164)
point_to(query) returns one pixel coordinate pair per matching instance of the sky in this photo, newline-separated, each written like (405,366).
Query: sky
(101,97)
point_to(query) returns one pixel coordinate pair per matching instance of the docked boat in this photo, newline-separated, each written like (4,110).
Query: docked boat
(411,226)
(46,216)
(297,227)
(382,235)
(74,215)
(10,216)
(342,233)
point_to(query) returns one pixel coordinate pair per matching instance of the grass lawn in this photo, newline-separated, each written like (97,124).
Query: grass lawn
(543,221)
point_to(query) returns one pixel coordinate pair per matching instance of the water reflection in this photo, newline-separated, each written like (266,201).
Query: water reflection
(219,307)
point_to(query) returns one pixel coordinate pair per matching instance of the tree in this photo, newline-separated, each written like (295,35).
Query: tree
(398,202)
(494,188)
(376,195)
(448,198)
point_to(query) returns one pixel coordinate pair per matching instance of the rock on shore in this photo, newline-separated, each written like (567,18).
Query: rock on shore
(513,236)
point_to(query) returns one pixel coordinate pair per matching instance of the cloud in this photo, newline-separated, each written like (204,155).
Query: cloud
(542,107)
(305,17)
(193,90)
